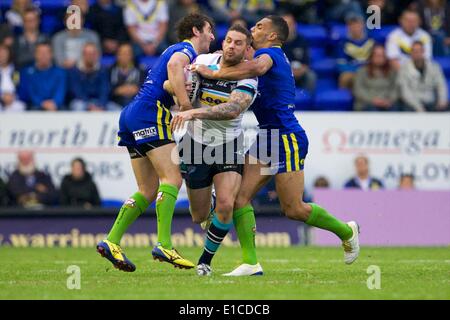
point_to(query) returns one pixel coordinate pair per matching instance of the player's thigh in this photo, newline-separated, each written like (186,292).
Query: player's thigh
(146,177)
(253,179)
(290,188)
(199,203)
(165,160)
(227,185)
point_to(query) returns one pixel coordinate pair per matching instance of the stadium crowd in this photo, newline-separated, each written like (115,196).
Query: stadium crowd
(338,63)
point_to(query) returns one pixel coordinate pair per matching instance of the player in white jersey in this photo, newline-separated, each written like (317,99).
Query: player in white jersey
(213,151)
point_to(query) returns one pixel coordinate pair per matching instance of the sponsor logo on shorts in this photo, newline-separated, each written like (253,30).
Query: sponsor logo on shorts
(145,133)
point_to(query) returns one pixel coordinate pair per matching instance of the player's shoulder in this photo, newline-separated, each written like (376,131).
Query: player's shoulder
(208,58)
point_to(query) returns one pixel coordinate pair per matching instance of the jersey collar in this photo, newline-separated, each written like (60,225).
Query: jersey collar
(190,42)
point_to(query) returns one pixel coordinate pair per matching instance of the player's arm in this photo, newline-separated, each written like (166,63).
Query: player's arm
(175,70)
(239,102)
(244,70)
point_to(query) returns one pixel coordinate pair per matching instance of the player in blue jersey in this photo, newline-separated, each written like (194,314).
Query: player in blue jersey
(144,128)
(280,138)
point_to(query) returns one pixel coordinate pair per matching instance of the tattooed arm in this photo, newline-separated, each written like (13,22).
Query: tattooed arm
(238,103)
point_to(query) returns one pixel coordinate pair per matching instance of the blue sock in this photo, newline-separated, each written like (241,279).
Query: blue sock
(216,232)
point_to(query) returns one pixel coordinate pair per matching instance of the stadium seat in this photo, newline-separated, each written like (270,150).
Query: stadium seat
(316,53)
(444,62)
(329,83)
(337,32)
(221,31)
(380,35)
(147,62)
(303,100)
(51,23)
(108,60)
(334,100)
(182,204)
(316,35)
(111,203)
(325,67)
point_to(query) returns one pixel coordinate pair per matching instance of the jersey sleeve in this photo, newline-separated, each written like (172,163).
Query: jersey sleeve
(267,51)
(189,52)
(249,86)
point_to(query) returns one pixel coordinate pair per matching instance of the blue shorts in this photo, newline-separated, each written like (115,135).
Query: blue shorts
(283,152)
(142,122)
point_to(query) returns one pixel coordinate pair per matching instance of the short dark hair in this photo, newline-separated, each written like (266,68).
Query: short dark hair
(417,42)
(239,28)
(185,25)
(281,27)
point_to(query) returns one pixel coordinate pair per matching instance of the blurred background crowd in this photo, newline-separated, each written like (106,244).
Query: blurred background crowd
(339,63)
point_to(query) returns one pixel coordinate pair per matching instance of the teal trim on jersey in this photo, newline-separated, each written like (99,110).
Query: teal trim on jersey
(213,67)
(226,95)
(244,91)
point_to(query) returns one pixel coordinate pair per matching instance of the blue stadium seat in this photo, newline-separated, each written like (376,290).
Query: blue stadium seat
(146,62)
(221,31)
(316,35)
(111,203)
(380,35)
(334,100)
(316,53)
(325,67)
(444,62)
(182,204)
(338,32)
(51,23)
(329,83)
(108,60)
(303,100)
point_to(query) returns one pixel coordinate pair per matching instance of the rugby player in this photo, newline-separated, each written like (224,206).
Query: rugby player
(213,151)
(274,110)
(144,128)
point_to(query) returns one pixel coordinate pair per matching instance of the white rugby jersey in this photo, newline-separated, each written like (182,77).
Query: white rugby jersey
(214,92)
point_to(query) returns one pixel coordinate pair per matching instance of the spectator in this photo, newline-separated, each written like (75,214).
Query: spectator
(25,44)
(375,84)
(125,77)
(28,186)
(224,11)
(406,182)
(68,45)
(363,180)
(147,23)
(14,16)
(6,35)
(422,83)
(388,9)
(304,11)
(177,10)
(296,49)
(107,19)
(8,77)
(43,85)
(88,82)
(321,183)
(353,51)
(337,10)
(399,41)
(78,188)
(435,15)
(4,199)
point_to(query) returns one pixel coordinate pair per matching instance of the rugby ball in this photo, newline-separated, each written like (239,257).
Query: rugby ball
(194,78)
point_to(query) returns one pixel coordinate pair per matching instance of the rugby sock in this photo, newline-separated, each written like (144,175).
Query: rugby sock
(165,205)
(216,232)
(245,225)
(320,218)
(131,209)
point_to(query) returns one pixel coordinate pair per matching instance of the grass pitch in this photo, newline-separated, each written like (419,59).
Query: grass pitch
(290,273)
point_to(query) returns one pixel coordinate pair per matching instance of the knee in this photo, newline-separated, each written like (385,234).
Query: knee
(224,205)
(199,216)
(197,219)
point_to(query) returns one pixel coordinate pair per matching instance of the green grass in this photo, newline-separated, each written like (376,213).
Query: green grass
(290,273)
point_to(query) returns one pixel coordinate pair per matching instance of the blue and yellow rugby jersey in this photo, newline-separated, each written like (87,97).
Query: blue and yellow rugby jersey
(275,106)
(152,90)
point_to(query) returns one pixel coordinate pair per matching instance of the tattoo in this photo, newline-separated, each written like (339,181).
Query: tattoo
(239,102)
